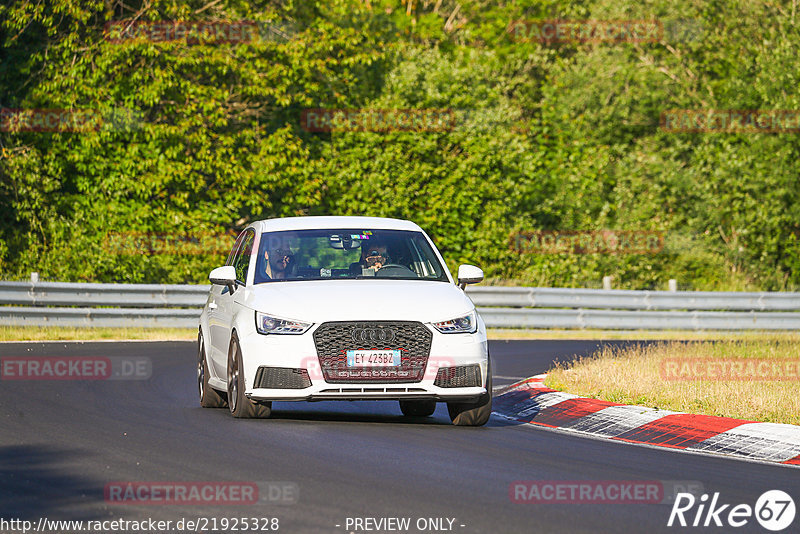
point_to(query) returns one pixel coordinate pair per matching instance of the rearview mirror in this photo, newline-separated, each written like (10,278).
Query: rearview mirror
(345,241)
(224,276)
(469,274)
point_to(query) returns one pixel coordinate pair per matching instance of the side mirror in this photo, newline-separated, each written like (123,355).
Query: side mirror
(224,276)
(469,274)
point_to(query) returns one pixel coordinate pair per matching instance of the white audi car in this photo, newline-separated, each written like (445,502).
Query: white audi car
(342,308)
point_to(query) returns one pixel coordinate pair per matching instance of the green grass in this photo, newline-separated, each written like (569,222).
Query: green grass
(510,333)
(59,333)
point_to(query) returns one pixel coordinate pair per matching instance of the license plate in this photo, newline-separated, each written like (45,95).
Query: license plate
(373,358)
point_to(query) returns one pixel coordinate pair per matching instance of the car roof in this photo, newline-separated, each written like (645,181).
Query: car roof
(334,222)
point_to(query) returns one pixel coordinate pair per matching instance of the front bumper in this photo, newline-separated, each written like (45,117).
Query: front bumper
(299,352)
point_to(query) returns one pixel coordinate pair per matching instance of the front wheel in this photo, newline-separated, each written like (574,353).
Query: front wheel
(239,404)
(473,413)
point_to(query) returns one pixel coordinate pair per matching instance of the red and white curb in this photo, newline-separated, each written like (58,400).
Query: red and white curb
(530,401)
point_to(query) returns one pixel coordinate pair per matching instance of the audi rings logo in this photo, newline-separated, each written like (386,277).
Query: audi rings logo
(373,335)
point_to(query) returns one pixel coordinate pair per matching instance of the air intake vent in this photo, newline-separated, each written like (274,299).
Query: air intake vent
(281,378)
(462,376)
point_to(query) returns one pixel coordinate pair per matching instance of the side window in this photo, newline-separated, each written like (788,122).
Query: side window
(235,247)
(241,262)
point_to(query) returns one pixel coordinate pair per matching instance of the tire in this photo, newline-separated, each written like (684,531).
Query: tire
(417,408)
(473,413)
(241,407)
(209,397)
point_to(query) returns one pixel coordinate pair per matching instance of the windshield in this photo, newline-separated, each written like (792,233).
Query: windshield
(346,254)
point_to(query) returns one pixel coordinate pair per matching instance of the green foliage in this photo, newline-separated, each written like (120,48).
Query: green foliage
(200,139)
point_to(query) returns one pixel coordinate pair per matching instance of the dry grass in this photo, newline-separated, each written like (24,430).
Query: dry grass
(634,375)
(58,333)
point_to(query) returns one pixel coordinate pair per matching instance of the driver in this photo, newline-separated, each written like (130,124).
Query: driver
(278,264)
(374,255)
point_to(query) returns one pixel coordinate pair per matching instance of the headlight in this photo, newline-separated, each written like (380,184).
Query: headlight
(267,324)
(467,324)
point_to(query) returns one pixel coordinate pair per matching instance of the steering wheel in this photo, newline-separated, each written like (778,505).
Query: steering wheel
(391,270)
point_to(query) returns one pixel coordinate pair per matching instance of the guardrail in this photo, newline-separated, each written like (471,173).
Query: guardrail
(119,295)
(553,297)
(150,305)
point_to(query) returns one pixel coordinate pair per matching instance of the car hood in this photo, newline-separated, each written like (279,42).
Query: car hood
(358,300)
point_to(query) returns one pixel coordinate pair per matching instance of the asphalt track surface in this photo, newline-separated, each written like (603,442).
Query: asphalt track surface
(63,441)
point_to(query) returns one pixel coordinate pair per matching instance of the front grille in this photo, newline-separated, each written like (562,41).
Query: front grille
(334,339)
(281,378)
(461,376)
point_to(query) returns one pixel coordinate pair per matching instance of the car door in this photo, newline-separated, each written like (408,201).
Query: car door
(226,302)
(218,339)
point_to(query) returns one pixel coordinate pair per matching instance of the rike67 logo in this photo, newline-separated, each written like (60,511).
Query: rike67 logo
(774,510)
